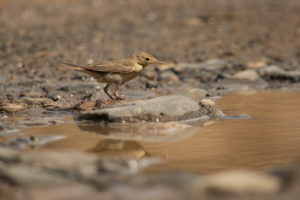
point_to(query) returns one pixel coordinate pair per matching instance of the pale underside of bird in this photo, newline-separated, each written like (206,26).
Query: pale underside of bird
(117,72)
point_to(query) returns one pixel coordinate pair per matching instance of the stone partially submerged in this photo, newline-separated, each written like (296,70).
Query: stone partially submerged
(165,108)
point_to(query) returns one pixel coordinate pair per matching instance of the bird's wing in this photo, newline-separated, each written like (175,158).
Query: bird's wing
(121,66)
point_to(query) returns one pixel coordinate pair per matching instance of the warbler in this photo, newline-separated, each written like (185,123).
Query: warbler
(117,72)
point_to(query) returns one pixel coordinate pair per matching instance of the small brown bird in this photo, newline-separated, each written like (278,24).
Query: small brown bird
(117,72)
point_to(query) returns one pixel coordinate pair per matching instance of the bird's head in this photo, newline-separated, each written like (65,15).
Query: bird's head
(145,59)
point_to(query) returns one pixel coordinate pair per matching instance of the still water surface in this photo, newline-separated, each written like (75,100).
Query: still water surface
(271,138)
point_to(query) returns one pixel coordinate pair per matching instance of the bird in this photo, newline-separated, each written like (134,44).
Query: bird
(117,72)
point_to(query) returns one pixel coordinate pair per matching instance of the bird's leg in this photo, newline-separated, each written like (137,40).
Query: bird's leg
(106,92)
(116,93)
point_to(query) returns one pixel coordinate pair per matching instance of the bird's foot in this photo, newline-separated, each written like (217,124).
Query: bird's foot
(119,97)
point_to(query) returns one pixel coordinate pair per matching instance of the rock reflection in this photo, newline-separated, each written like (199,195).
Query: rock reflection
(147,132)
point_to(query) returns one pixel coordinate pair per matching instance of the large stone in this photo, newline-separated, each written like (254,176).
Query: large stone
(276,73)
(165,108)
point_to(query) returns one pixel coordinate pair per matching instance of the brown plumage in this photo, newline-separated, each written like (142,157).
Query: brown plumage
(117,72)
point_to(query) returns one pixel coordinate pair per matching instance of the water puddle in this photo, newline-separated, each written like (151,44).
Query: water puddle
(270,138)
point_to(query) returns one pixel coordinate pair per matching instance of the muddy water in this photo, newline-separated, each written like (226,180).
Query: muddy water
(270,139)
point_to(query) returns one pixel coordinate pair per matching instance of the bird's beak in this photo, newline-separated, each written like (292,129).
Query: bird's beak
(158,62)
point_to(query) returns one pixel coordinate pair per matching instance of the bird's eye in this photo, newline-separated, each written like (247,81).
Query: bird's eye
(147,59)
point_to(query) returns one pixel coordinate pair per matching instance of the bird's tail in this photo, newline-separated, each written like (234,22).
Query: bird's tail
(72,66)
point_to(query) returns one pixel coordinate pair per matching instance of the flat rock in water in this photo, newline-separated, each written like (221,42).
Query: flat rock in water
(165,108)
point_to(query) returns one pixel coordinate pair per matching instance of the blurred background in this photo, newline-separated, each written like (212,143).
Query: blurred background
(177,30)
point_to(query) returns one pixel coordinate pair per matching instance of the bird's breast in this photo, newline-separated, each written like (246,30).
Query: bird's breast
(129,76)
(118,78)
